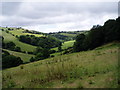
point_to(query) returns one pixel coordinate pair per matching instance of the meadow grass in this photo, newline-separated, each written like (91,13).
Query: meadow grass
(87,69)
(25,57)
(24,47)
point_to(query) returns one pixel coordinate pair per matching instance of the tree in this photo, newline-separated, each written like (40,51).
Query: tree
(112,30)
(18,49)
(10,61)
(10,45)
(99,35)
(78,45)
(43,54)
(59,47)
(44,42)
(32,59)
(95,38)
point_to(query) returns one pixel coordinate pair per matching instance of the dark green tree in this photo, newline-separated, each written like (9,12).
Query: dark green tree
(43,54)
(60,47)
(18,49)
(10,61)
(78,45)
(32,59)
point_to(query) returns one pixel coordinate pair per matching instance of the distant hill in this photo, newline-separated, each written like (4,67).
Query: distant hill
(66,35)
(21,31)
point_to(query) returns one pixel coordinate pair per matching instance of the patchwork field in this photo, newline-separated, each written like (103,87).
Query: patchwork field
(20,32)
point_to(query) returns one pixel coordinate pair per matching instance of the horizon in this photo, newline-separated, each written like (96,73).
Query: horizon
(43,32)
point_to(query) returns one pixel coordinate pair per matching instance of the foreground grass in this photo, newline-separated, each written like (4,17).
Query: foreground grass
(25,57)
(90,69)
(24,47)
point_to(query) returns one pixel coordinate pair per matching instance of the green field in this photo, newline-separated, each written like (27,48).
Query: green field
(25,57)
(69,35)
(65,45)
(88,69)
(20,32)
(24,47)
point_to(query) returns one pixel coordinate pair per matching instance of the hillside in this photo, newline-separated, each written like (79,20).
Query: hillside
(67,35)
(24,47)
(25,57)
(88,69)
(21,31)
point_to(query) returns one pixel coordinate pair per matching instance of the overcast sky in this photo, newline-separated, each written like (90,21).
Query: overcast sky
(57,16)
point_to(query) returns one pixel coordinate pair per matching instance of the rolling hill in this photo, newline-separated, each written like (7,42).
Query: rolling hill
(24,47)
(67,35)
(20,32)
(87,69)
(25,57)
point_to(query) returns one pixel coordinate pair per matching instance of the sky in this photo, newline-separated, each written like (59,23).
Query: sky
(57,16)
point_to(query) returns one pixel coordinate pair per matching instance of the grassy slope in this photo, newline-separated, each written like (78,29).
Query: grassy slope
(65,45)
(69,35)
(20,32)
(25,57)
(23,46)
(89,69)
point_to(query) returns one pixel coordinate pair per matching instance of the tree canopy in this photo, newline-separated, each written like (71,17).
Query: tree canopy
(98,35)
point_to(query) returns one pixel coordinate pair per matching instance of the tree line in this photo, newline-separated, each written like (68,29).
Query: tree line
(10,60)
(98,36)
(44,42)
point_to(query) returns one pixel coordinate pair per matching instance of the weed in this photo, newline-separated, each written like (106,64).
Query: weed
(80,86)
(91,82)
(11,84)
(21,67)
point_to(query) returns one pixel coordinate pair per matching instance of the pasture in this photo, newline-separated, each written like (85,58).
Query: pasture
(88,69)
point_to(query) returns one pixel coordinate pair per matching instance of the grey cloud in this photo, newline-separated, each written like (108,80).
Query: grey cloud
(41,10)
(25,14)
(10,8)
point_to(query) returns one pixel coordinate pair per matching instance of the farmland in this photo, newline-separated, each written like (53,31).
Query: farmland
(20,32)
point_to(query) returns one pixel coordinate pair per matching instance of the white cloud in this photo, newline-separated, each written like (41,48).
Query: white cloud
(50,17)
